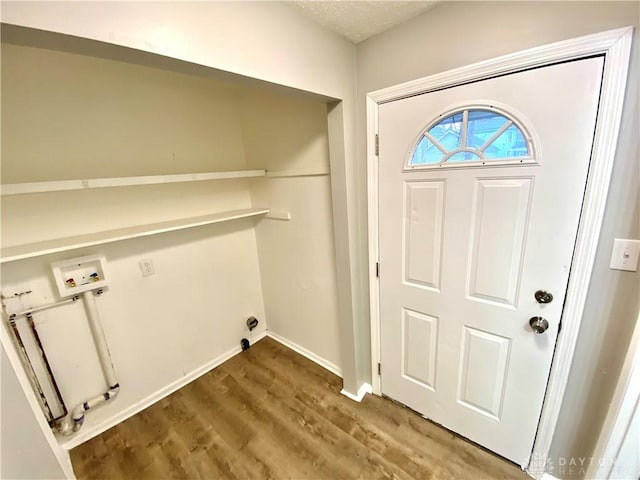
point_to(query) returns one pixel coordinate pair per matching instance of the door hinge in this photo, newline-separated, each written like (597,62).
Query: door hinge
(379,368)
(378,269)
(377,145)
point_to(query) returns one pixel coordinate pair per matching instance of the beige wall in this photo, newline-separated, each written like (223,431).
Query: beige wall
(455,34)
(269,41)
(208,280)
(69,116)
(24,451)
(283,133)
(288,136)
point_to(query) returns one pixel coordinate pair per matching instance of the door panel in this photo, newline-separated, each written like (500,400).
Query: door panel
(464,249)
(483,373)
(423,232)
(420,333)
(500,217)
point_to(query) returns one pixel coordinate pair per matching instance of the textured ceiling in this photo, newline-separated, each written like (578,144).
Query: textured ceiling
(360,20)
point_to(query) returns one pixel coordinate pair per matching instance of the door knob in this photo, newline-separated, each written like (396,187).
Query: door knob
(538,324)
(542,296)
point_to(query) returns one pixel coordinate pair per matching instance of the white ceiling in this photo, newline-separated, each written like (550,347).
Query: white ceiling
(359,20)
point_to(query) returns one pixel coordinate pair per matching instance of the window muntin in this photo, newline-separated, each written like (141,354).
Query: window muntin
(426,153)
(472,136)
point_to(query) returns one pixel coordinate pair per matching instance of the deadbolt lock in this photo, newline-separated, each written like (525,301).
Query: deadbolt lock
(542,296)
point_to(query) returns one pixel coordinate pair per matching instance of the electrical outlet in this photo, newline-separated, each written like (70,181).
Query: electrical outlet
(146,267)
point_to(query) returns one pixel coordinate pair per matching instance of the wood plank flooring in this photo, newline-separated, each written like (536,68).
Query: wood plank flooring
(271,413)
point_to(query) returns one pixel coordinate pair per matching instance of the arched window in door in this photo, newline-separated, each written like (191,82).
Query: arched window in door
(472,136)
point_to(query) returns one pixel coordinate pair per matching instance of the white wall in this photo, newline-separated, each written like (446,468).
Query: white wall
(618,448)
(74,116)
(297,264)
(24,452)
(208,280)
(455,34)
(284,134)
(35,217)
(89,117)
(264,40)
(159,328)
(267,41)
(288,136)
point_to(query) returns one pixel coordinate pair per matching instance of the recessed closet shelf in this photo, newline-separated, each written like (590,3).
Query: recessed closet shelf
(20,252)
(62,185)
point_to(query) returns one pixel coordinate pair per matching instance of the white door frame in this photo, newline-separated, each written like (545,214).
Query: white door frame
(616,46)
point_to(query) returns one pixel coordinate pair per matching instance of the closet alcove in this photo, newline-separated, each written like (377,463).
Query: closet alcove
(222,181)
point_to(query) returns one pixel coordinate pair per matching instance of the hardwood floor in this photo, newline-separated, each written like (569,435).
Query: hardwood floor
(271,413)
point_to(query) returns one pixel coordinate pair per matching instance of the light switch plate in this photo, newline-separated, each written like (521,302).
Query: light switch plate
(625,254)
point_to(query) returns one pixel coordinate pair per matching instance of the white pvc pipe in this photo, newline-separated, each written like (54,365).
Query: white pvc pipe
(100,340)
(78,413)
(44,307)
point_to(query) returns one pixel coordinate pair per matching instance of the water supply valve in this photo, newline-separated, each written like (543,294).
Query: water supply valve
(78,275)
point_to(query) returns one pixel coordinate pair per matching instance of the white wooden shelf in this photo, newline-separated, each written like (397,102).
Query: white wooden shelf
(20,252)
(62,185)
(295,173)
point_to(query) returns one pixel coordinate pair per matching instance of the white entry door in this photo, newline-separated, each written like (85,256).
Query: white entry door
(481,187)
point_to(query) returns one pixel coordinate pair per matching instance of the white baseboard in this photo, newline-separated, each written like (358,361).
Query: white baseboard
(87,434)
(362,391)
(332,367)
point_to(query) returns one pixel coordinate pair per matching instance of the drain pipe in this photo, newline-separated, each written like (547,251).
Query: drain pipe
(77,416)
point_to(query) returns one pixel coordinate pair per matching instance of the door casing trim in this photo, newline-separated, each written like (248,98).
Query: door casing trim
(615,45)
